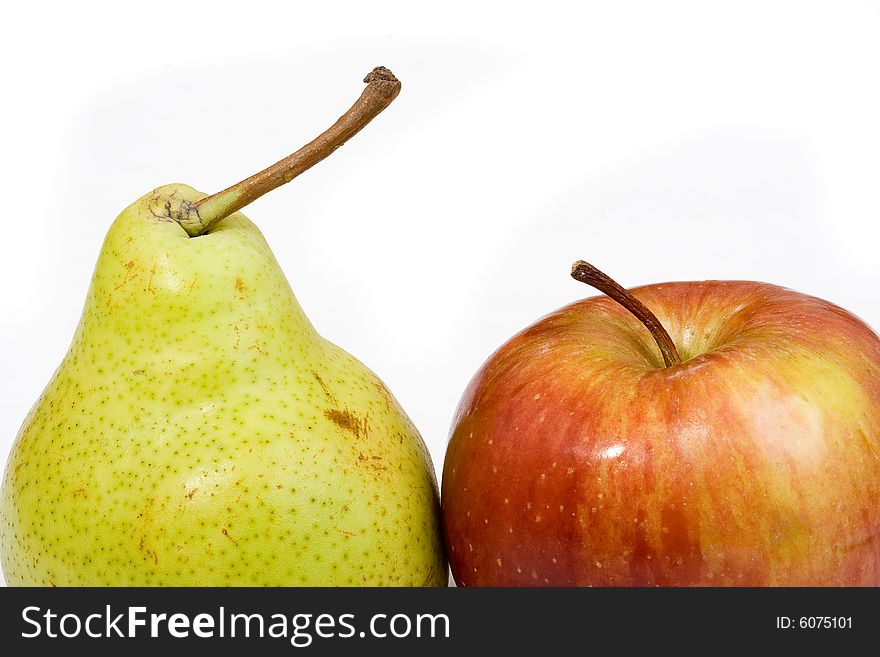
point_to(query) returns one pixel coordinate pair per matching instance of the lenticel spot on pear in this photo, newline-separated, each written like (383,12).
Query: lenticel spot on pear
(200,432)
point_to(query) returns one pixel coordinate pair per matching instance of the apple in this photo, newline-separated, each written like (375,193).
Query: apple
(722,433)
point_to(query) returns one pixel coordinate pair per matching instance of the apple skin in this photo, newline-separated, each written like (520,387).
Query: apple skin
(577,459)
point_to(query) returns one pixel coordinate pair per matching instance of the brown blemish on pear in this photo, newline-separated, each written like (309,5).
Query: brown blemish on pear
(240,287)
(347,420)
(325,387)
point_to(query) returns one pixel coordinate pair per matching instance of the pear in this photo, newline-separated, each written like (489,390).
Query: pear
(199,431)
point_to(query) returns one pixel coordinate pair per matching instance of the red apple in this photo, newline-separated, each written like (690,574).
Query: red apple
(747,454)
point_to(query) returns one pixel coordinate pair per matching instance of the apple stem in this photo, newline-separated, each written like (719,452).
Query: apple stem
(587,273)
(198,218)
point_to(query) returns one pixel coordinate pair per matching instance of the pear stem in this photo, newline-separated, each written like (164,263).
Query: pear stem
(382,87)
(587,273)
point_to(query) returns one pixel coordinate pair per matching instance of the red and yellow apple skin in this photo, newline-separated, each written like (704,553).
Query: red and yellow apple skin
(578,459)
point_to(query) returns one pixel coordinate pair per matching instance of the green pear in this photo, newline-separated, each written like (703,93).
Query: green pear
(200,432)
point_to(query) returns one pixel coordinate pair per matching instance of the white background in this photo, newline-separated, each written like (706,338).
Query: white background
(674,140)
